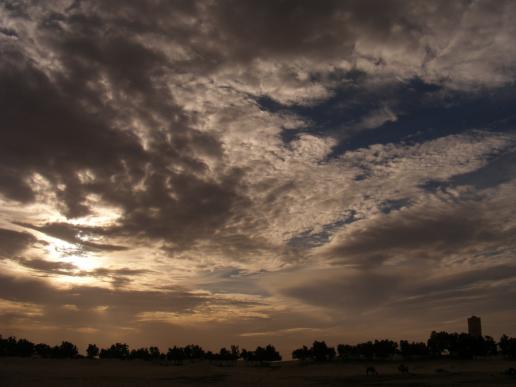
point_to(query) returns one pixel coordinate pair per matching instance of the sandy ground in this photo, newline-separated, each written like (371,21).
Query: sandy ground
(77,373)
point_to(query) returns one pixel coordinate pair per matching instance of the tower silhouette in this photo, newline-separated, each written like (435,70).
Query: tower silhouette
(474,326)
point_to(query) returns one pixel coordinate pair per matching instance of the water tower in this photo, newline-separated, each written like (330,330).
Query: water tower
(474,326)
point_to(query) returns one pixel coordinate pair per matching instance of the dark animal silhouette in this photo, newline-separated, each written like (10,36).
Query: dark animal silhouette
(510,371)
(403,369)
(371,371)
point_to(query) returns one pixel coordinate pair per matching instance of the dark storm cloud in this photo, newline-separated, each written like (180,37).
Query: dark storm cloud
(47,131)
(282,28)
(422,233)
(14,242)
(61,125)
(234,31)
(200,207)
(325,29)
(228,32)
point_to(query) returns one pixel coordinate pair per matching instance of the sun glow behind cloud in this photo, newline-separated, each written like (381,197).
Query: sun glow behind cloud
(62,251)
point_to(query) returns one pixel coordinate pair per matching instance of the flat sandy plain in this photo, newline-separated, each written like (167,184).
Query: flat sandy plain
(83,372)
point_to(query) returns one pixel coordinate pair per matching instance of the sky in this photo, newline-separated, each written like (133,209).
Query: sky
(253,172)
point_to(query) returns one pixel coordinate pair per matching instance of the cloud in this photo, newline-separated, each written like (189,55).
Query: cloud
(434,227)
(131,301)
(130,311)
(348,293)
(113,160)
(190,150)
(117,277)
(14,242)
(417,301)
(376,118)
(49,267)
(76,235)
(422,232)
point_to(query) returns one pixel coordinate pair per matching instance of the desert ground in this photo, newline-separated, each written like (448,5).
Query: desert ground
(83,372)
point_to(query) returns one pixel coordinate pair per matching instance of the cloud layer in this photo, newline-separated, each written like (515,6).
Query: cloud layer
(256,168)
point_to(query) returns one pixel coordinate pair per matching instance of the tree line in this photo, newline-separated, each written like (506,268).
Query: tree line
(24,348)
(190,352)
(456,345)
(439,344)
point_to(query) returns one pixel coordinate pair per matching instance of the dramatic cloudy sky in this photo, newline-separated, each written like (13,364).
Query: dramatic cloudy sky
(260,171)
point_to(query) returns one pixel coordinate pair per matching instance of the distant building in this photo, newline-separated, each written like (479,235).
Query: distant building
(474,326)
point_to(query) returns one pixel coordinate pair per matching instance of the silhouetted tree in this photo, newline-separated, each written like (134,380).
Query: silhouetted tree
(43,350)
(466,346)
(439,342)
(147,354)
(411,350)
(92,351)
(302,353)
(504,345)
(318,352)
(140,353)
(116,351)
(345,351)
(24,348)
(235,352)
(261,354)
(378,349)
(13,347)
(176,354)
(491,347)
(321,352)
(193,352)
(508,347)
(224,354)
(365,350)
(155,353)
(65,350)
(8,346)
(384,348)
(461,345)
(271,354)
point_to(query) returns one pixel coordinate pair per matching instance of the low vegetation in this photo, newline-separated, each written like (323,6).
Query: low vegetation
(439,344)
(24,348)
